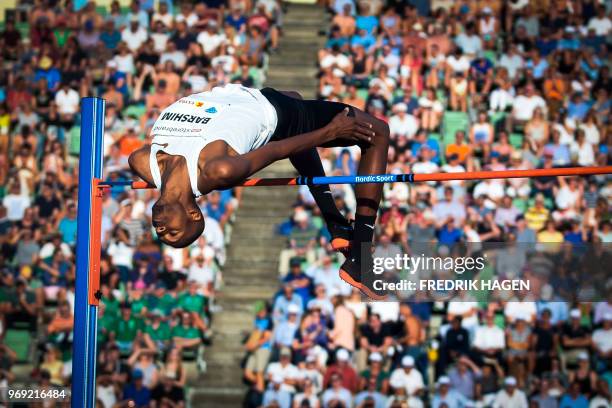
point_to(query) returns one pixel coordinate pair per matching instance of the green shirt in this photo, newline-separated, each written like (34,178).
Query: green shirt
(127,330)
(185,332)
(161,333)
(106,324)
(138,306)
(167,303)
(192,303)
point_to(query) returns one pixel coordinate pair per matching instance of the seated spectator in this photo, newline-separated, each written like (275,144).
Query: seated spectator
(445,396)
(408,378)
(510,396)
(135,393)
(167,393)
(574,398)
(375,338)
(284,333)
(335,394)
(60,327)
(275,395)
(342,368)
(282,370)
(575,339)
(489,340)
(258,347)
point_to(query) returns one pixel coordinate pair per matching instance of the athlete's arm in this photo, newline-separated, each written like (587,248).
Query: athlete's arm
(139,163)
(228,171)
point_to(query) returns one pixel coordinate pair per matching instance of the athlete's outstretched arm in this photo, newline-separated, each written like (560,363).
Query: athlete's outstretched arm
(229,171)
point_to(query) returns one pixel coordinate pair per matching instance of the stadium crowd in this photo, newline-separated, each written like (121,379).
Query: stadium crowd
(157,302)
(464,85)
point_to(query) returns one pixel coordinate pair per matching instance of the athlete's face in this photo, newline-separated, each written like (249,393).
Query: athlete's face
(175,225)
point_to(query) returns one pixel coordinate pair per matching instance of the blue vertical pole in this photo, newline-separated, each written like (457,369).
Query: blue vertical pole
(85,314)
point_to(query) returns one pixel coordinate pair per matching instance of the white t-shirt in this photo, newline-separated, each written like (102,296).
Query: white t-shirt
(524,106)
(121,254)
(134,39)
(487,337)
(601,26)
(159,41)
(210,42)
(447,168)
(461,64)
(287,372)
(406,127)
(524,310)
(340,60)
(15,206)
(460,307)
(411,381)
(470,44)
(240,116)
(67,101)
(494,191)
(167,19)
(511,63)
(566,198)
(190,20)
(125,63)
(603,339)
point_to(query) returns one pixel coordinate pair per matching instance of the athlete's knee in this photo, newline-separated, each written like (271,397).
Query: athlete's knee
(382,131)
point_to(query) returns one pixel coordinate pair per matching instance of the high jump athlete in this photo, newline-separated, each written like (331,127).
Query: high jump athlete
(215,140)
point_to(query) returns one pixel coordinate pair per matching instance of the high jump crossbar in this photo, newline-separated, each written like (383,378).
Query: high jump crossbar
(91,188)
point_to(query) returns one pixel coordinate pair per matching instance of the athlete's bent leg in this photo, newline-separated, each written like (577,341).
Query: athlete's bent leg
(357,269)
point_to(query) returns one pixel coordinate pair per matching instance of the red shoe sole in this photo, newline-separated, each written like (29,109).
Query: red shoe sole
(345,276)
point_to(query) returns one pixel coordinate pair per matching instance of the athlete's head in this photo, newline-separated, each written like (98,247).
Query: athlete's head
(177,224)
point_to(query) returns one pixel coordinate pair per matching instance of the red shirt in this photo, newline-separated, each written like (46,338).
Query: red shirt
(350,380)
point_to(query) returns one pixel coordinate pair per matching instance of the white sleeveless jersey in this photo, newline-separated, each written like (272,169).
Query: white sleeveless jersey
(242,117)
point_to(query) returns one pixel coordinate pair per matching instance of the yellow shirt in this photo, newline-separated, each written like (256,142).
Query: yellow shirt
(536,218)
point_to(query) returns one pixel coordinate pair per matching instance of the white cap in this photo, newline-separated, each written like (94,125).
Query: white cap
(376,357)
(293,308)
(510,381)
(583,356)
(407,361)
(575,313)
(342,355)
(444,380)
(301,216)
(487,10)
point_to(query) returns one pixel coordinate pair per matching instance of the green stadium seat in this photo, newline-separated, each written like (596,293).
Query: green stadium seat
(23,28)
(135,110)
(73,139)
(101,10)
(516,140)
(496,117)
(19,341)
(362,93)
(520,204)
(490,55)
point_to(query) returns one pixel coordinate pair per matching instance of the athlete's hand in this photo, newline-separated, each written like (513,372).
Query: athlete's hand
(349,128)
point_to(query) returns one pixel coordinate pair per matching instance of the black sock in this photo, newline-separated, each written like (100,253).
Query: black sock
(325,201)
(364,232)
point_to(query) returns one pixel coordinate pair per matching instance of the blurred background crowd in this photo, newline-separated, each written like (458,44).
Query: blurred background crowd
(463,85)
(157,303)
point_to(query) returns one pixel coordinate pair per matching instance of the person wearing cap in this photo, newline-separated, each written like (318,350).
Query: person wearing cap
(135,34)
(445,396)
(283,371)
(574,397)
(302,283)
(276,394)
(575,339)
(308,395)
(372,396)
(408,378)
(157,330)
(282,303)
(402,124)
(336,393)
(375,373)
(134,393)
(342,368)
(602,344)
(584,375)
(284,333)
(510,396)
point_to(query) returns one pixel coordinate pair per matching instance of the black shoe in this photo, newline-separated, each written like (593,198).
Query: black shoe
(362,279)
(341,236)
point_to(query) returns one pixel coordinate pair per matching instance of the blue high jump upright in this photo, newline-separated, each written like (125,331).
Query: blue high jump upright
(87,254)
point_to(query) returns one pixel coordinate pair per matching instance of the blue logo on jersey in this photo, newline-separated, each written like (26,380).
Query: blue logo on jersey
(211,110)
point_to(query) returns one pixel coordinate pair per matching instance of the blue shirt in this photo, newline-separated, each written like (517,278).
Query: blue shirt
(449,237)
(282,304)
(432,144)
(110,40)
(546,46)
(264,324)
(366,41)
(236,22)
(284,333)
(52,76)
(539,69)
(452,399)
(141,397)
(283,398)
(578,110)
(568,402)
(568,44)
(68,229)
(368,23)
(304,292)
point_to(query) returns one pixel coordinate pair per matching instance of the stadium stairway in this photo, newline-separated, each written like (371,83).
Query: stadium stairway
(250,273)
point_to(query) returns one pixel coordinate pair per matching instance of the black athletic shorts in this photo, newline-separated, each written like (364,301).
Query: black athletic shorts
(297,116)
